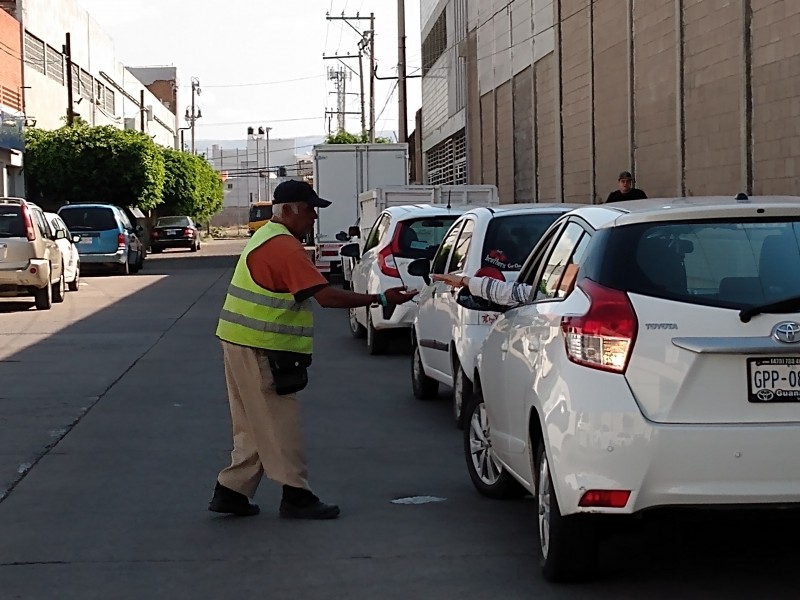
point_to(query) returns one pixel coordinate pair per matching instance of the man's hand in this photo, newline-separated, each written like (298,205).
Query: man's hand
(399,295)
(454,280)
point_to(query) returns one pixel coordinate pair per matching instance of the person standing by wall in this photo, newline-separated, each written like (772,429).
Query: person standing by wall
(625,190)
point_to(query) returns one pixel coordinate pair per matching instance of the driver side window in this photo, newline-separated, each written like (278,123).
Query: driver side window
(461,248)
(440,261)
(375,235)
(562,263)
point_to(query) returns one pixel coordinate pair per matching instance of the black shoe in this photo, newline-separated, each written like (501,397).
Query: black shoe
(228,501)
(317,510)
(299,503)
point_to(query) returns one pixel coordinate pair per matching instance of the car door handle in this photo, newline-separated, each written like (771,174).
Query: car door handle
(504,347)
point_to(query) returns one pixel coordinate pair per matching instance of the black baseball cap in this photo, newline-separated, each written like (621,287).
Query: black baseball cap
(298,191)
(625,175)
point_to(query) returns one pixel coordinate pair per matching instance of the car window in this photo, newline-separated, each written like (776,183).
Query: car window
(11,221)
(443,254)
(461,249)
(42,224)
(732,263)
(377,232)
(126,222)
(257,213)
(419,237)
(530,270)
(185,222)
(90,218)
(567,251)
(510,239)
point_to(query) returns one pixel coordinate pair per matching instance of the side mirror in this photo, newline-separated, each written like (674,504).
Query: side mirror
(421,268)
(61,234)
(468,301)
(350,251)
(353,231)
(342,236)
(76,237)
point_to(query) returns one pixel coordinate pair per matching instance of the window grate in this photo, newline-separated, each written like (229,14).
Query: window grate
(435,43)
(55,65)
(447,162)
(34,53)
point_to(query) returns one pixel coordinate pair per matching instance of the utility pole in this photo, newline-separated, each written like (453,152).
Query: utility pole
(339,78)
(402,126)
(193,112)
(361,82)
(142,109)
(70,99)
(269,177)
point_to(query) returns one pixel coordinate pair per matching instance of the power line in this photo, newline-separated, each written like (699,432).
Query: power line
(262,83)
(251,121)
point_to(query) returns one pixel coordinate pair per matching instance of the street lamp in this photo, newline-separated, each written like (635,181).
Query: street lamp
(257,134)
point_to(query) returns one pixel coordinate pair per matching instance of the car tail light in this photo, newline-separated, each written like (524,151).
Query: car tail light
(188,232)
(30,233)
(386,261)
(605,498)
(154,234)
(122,240)
(602,338)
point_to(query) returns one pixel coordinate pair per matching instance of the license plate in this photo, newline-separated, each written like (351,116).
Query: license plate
(773,380)
(173,232)
(85,241)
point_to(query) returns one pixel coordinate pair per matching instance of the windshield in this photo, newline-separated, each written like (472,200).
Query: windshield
(509,240)
(173,222)
(88,218)
(418,238)
(727,264)
(11,223)
(261,213)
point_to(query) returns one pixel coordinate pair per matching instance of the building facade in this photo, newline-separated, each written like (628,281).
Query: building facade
(12,119)
(104,91)
(693,96)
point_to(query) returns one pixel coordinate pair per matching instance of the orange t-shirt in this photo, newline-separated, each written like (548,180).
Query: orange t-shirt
(282,265)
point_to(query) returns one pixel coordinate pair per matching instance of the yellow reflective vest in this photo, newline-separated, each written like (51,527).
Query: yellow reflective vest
(256,317)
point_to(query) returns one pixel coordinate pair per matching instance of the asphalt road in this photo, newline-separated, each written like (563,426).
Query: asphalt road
(114,424)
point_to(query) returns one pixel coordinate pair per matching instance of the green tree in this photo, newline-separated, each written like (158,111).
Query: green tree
(101,164)
(343,137)
(191,186)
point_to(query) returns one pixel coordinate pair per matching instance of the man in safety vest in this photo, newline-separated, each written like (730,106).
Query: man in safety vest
(266,329)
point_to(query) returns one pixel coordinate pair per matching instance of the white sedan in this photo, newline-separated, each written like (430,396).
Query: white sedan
(69,252)
(446,337)
(656,364)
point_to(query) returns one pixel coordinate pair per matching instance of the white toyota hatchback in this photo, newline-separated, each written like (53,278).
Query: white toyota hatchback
(656,364)
(400,235)
(446,337)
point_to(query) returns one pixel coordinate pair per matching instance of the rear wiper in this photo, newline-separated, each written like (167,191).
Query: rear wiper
(786,305)
(5,235)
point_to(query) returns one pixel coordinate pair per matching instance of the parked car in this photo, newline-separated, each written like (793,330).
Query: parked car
(30,259)
(70,256)
(656,364)
(400,235)
(445,336)
(174,232)
(108,238)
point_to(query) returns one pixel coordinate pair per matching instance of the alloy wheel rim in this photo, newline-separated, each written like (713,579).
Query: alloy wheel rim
(458,392)
(543,501)
(353,320)
(480,444)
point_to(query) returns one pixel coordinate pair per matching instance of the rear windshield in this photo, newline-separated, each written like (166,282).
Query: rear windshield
(421,237)
(260,213)
(173,222)
(11,223)
(89,219)
(727,264)
(509,240)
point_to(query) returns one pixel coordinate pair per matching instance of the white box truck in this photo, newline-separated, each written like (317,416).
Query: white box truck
(374,201)
(341,173)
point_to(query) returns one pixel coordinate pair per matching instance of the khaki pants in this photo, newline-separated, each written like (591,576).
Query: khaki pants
(267,436)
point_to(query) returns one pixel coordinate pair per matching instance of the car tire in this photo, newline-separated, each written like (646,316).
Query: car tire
(356,329)
(125,268)
(74,285)
(377,341)
(568,546)
(43,297)
(60,288)
(462,391)
(155,250)
(424,387)
(488,477)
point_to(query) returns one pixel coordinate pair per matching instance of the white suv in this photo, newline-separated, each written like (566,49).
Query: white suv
(446,337)
(30,260)
(400,235)
(656,364)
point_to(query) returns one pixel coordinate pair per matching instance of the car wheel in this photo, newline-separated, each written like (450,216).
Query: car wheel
(423,386)
(60,289)
(487,475)
(74,285)
(567,545)
(43,297)
(356,329)
(462,390)
(377,341)
(125,268)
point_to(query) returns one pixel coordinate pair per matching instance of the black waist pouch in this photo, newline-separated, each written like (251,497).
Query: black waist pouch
(289,370)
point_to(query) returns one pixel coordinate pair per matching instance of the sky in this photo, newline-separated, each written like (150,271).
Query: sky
(261,63)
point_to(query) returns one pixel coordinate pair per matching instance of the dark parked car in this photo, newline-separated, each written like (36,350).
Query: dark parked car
(174,232)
